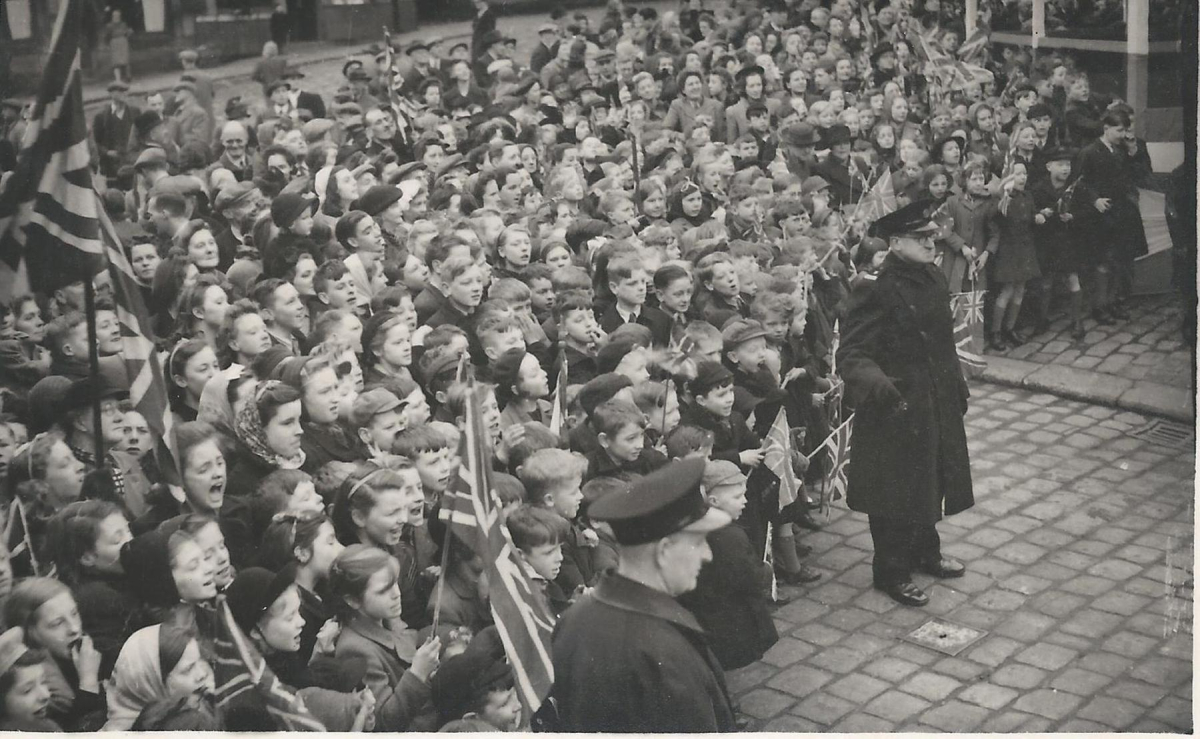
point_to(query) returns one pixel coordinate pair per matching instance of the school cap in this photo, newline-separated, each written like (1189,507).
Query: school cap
(664,502)
(151,156)
(1059,153)
(1040,110)
(709,375)
(601,389)
(371,403)
(611,354)
(721,472)
(740,330)
(253,592)
(813,184)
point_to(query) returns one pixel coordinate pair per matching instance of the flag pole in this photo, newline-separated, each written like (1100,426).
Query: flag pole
(89,303)
(441,586)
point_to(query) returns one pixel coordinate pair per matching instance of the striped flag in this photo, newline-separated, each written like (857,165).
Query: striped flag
(778,459)
(973,47)
(49,235)
(473,513)
(238,667)
(968,331)
(147,383)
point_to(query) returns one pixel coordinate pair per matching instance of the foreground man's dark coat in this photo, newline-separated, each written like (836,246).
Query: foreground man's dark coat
(629,659)
(909,462)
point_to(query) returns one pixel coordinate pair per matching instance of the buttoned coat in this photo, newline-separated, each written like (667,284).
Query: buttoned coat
(629,659)
(402,699)
(909,460)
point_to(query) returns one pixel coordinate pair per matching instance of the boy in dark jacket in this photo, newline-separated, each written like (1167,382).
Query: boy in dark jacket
(731,595)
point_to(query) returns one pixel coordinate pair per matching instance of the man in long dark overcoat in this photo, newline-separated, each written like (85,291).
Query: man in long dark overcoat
(909,463)
(628,658)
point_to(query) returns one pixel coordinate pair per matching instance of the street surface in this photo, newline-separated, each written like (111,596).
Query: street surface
(1079,570)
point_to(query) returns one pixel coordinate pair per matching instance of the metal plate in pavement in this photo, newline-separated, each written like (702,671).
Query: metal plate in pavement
(944,636)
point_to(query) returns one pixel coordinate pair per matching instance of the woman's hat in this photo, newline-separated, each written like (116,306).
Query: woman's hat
(288,207)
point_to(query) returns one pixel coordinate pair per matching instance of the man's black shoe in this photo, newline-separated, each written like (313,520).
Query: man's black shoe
(803,550)
(1117,312)
(1101,317)
(905,593)
(802,576)
(944,568)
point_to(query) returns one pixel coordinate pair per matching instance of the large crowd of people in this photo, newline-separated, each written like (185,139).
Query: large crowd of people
(639,247)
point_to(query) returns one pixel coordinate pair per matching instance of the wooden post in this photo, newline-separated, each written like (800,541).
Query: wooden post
(1137,60)
(89,302)
(969,16)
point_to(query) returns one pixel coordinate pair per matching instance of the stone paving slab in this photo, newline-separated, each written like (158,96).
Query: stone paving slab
(1082,580)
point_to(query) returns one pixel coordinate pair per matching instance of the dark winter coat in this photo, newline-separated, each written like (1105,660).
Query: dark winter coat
(632,660)
(909,460)
(1109,173)
(730,600)
(1014,256)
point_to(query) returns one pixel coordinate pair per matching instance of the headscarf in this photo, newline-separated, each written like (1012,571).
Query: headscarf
(139,676)
(250,431)
(214,400)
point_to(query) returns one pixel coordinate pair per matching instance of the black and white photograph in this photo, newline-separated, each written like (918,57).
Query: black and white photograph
(598,366)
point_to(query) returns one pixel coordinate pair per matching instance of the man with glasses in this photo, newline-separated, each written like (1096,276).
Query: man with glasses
(235,156)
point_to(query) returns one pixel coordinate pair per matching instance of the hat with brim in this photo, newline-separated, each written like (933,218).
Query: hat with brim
(452,162)
(377,199)
(276,84)
(799,134)
(286,208)
(152,156)
(490,39)
(960,140)
(1060,153)
(836,134)
(548,28)
(745,72)
(416,46)
(292,73)
(118,86)
(665,502)
(83,393)
(911,220)
(880,50)
(255,590)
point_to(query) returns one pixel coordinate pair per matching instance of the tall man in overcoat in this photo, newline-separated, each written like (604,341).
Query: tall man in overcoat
(909,464)
(627,657)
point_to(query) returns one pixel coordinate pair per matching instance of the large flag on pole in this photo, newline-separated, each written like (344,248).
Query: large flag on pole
(472,511)
(878,201)
(147,382)
(968,331)
(49,234)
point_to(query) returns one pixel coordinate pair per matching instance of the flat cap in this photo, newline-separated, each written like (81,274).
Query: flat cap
(740,330)
(254,590)
(799,134)
(371,403)
(377,199)
(601,389)
(709,375)
(151,156)
(234,194)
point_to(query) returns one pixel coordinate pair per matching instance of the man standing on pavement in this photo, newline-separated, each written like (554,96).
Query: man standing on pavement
(899,360)
(188,59)
(193,124)
(627,657)
(111,127)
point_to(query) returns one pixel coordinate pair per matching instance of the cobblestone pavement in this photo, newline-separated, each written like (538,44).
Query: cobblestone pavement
(1079,570)
(1146,347)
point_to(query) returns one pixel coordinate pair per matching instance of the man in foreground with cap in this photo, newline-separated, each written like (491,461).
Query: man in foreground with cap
(627,657)
(798,142)
(899,360)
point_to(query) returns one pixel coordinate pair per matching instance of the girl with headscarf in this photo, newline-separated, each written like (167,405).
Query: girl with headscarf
(155,662)
(269,432)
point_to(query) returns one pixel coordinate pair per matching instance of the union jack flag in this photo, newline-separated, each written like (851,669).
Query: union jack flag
(147,385)
(878,201)
(49,235)
(238,667)
(778,459)
(834,486)
(472,511)
(973,47)
(968,331)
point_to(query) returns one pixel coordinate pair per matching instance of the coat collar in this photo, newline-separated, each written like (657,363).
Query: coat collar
(620,592)
(403,643)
